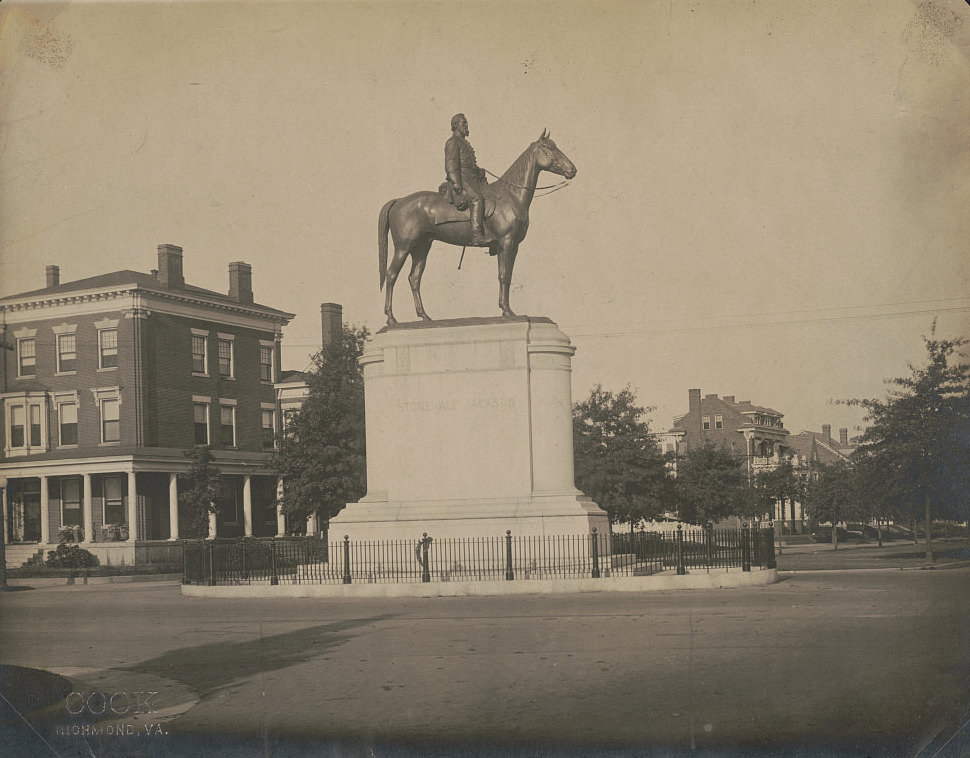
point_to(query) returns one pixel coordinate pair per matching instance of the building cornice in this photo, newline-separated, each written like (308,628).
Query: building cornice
(138,299)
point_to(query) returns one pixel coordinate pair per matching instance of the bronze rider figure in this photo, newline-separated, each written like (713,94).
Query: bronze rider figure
(465,177)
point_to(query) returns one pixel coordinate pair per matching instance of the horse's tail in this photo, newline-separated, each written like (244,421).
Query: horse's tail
(383,224)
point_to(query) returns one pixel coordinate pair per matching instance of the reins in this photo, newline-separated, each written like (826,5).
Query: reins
(552,187)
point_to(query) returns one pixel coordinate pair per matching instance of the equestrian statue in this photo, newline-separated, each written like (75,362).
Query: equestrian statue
(467,211)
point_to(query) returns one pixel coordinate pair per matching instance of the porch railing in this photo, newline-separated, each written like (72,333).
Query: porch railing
(309,560)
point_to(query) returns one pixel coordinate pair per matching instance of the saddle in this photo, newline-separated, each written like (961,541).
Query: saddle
(449,211)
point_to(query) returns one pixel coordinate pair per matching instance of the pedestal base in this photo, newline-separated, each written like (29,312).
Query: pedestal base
(374,521)
(469,434)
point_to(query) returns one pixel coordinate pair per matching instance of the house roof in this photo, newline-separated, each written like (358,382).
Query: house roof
(828,450)
(126,277)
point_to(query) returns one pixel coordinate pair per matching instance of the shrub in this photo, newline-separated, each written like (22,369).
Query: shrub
(70,556)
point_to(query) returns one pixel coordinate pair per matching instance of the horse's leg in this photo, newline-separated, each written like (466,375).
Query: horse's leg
(506,262)
(419,256)
(393,269)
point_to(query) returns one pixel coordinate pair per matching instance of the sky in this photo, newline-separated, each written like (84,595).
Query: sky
(771,200)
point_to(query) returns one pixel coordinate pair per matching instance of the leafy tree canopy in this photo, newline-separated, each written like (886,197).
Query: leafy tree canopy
(617,461)
(712,485)
(914,456)
(201,492)
(321,458)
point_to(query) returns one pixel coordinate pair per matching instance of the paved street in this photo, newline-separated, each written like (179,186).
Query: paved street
(841,664)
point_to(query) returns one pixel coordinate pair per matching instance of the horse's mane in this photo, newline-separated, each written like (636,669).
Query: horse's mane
(515,174)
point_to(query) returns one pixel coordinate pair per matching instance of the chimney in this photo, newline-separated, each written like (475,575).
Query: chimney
(170,267)
(729,398)
(844,436)
(241,282)
(693,401)
(53,276)
(827,433)
(332,318)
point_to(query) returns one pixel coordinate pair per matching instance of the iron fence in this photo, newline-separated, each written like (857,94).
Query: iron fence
(310,560)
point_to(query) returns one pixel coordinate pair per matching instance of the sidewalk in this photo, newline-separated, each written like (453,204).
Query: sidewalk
(868,556)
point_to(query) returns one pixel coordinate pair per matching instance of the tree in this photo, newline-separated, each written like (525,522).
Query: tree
(782,485)
(201,492)
(321,458)
(617,461)
(915,452)
(712,485)
(830,496)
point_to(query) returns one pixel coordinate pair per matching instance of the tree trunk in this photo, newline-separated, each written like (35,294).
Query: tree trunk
(929,534)
(879,530)
(835,535)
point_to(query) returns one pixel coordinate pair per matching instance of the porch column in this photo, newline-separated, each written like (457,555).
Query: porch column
(280,516)
(45,511)
(212,526)
(312,524)
(173,506)
(247,505)
(133,525)
(87,510)
(6,514)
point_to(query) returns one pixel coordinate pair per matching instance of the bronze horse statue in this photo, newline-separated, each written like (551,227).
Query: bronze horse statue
(419,219)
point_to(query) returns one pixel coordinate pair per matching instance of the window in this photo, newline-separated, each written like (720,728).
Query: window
(67,422)
(107,348)
(71,502)
(718,421)
(26,356)
(200,411)
(269,428)
(114,502)
(265,362)
(707,422)
(200,352)
(226,367)
(66,353)
(110,419)
(18,426)
(26,424)
(227,425)
(34,414)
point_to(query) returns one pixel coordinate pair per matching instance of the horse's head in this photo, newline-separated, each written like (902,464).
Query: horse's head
(551,158)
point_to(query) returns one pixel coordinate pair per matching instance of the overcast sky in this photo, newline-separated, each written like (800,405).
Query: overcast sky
(772,198)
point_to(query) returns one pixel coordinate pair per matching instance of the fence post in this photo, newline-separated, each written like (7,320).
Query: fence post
(709,539)
(745,547)
(596,555)
(770,561)
(509,573)
(681,568)
(185,568)
(346,559)
(242,559)
(212,576)
(274,577)
(425,570)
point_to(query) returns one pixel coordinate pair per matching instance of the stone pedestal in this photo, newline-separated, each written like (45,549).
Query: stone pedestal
(469,434)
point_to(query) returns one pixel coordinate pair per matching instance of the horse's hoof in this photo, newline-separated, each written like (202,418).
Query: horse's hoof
(507,313)
(425,317)
(391,321)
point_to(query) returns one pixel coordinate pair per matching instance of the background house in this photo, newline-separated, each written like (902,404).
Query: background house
(106,382)
(753,431)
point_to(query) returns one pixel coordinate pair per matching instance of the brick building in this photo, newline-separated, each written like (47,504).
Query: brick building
(755,432)
(108,381)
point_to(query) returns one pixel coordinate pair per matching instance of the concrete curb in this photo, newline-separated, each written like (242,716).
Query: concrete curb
(55,581)
(724,578)
(934,567)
